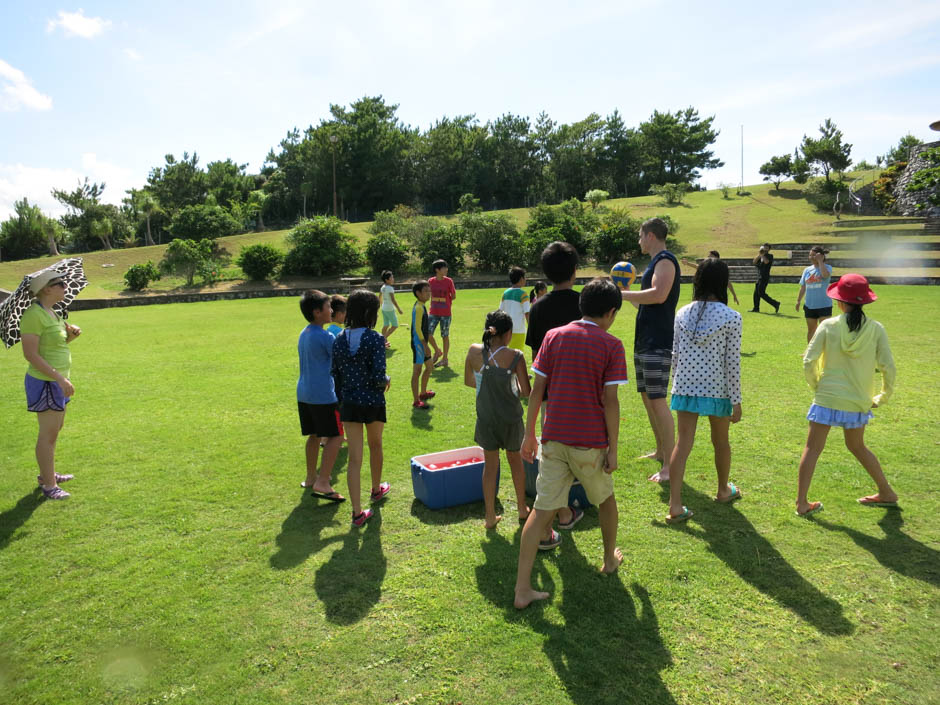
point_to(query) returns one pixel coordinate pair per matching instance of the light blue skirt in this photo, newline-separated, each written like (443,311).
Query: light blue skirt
(834,417)
(703,406)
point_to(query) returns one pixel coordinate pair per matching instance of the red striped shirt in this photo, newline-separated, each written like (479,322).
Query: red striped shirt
(578,360)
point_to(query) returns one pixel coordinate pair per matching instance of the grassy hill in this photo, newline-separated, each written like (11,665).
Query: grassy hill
(733,225)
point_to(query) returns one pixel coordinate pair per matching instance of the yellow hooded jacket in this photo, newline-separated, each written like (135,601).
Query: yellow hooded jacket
(839,365)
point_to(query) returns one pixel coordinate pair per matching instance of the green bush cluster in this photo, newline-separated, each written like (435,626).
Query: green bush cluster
(492,240)
(191,258)
(822,193)
(883,188)
(386,250)
(320,246)
(259,261)
(203,221)
(446,243)
(139,276)
(672,194)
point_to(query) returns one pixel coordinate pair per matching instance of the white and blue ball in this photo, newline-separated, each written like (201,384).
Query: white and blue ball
(623,275)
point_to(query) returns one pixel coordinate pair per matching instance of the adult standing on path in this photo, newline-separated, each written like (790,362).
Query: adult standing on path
(814,283)
(764,261)
(652,342)
(46,335)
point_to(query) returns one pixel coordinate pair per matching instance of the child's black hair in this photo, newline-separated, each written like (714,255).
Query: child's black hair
(711,279)
(338,304)
(599,296)
(418,286)
(538,289)
(714,254)
(386,275)
(312,300)
(362,309)
(497,323)
(820,249)
(438,264)
(559,262)
(516,274)
(854,317)
(657,226)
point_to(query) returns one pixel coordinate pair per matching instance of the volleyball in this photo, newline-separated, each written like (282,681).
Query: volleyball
(623,274)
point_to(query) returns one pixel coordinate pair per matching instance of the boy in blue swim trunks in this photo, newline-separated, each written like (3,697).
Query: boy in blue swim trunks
(420,349)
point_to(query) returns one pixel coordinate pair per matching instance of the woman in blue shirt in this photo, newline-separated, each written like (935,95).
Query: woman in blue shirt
(813,284)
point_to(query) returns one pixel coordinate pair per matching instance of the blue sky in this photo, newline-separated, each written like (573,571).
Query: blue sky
(106,89)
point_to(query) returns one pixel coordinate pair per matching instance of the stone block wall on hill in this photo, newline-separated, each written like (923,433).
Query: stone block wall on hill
(907,201)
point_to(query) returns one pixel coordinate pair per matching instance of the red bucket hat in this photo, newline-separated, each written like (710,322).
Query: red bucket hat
(852,289)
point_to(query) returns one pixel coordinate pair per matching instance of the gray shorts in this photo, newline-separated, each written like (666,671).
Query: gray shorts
(652,372)
(445,325)
(499,436)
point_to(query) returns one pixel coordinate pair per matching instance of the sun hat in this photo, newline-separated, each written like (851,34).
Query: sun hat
(852,289)
(42,279)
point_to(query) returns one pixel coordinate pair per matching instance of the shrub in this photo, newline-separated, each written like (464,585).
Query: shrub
(386,251)
(187,258)
(927,180)
(595,196)
(616,238)
(822,193)
(574,223)
(320,246)
(725,189)
(672,225)
(534,243)
(203,221)
(446,243)
(672,194)
(492,240)
(139,276)
(405,222)
(468,203)
(883,188)
(259,261)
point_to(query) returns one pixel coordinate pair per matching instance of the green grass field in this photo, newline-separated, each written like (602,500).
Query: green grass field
(189,566)
(735,226)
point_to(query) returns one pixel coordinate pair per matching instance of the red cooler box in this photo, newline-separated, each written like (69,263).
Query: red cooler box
(448,478)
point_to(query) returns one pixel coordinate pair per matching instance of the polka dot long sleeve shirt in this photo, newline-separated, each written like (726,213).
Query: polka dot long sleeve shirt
(706,352)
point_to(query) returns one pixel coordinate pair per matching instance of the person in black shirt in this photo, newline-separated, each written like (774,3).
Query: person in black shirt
(764,261)
(652,343)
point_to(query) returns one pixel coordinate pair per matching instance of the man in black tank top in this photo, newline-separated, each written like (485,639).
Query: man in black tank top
(652,342)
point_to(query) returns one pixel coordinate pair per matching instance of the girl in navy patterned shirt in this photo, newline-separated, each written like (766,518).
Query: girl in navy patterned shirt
(359,371)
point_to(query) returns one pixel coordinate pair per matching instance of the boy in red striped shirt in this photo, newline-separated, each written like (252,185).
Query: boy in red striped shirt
(582,365)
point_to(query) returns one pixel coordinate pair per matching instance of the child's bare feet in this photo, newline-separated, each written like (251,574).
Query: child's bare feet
(659,477)
(611,564)
(808,508)
(525,598)
(524,512)
(491,523)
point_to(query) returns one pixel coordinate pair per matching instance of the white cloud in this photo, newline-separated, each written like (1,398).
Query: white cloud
(16,91)
(36,183)
(75,24)
(132,55)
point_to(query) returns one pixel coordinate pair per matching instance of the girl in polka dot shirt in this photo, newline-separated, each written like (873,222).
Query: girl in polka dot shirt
(706,359)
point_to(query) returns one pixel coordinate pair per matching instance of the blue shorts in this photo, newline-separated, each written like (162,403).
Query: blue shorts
(703,406)
(833,417)
(417,352)
(42,395)
(445,325)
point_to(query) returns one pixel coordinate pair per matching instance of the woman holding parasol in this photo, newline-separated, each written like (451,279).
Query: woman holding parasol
(46,336)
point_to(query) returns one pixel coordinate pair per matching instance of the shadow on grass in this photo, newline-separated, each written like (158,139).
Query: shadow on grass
(732,538)
(895,550)
(300,532)
(750,354)
(788,193)
(421,418)
(609,649)
(449,515)
(443,374)
(350,583)
(13,518)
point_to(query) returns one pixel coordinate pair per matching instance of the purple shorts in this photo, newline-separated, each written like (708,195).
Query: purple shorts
(44,396)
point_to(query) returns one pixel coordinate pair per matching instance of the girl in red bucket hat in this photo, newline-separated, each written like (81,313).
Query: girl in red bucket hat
(838,366)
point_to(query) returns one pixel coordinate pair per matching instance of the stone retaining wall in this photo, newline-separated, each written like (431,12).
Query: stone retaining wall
(906,200)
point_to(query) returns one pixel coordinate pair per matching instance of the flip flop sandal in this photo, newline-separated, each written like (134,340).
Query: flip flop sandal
(329,496)
(814,507)
(362,517)
(734,496)
(679,518)
(864,501)
(550,543)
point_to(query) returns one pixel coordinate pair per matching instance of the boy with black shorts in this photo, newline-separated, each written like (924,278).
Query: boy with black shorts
(316,394)
(420,350)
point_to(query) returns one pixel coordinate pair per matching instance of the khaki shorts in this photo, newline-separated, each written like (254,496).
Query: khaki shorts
(561,464)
